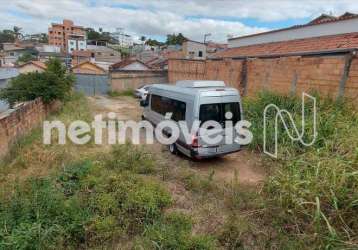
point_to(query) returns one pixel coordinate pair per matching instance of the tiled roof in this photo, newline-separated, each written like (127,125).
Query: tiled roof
(90,63)
(36,63)
(81,53)
(323,43)
(39,64)
(126,62)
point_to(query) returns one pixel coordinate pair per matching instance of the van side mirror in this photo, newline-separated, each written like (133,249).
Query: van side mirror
(144,103)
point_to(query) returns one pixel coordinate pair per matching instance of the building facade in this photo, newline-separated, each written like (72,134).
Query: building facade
(324,25)
(104,54)
(194,50)
(67,36)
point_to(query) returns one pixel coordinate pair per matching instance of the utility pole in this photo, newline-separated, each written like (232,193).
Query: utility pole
(205,36)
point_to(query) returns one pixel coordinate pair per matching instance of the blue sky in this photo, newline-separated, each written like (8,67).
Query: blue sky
(156,18)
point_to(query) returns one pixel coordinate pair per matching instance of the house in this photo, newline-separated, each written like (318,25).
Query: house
(324,25)
(67,36)
(88,68)
(130,64)
(158,63)
(193,49)
(212,47)
(322,34)
(12,51)
(32,66)
(46,51)
(80,56)
(45,56)
(104,54)
(124,40)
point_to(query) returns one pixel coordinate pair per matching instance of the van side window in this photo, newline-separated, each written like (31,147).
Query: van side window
(163,105)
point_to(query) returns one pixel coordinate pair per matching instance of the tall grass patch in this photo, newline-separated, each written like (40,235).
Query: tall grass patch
(316,187)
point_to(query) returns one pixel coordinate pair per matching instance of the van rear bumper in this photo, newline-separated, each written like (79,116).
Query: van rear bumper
(201,154)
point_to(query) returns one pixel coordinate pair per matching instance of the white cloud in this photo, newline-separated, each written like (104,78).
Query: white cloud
(158,18)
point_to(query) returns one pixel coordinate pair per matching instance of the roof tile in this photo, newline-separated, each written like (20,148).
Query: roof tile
(342,41)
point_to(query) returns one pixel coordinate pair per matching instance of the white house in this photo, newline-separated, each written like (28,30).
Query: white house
(194,50)
(323,25)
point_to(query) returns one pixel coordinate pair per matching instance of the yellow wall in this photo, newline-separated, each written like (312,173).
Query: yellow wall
(87,68)
(30,68)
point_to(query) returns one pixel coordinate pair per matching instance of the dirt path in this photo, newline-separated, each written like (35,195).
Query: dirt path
(245,165)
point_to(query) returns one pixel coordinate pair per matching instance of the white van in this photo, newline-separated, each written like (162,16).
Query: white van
(195,100)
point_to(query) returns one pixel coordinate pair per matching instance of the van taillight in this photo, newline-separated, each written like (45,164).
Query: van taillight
(195,141)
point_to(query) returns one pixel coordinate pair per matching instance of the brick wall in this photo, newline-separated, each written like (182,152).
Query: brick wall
(282,75)
(227,70)
(20,121)
(124,80)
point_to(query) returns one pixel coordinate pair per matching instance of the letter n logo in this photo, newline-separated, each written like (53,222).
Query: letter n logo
(296,135)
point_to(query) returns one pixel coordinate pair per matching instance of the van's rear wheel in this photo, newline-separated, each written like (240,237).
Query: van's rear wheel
(173,148)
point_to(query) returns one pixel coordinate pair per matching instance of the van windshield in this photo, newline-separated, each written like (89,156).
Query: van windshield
(216,112)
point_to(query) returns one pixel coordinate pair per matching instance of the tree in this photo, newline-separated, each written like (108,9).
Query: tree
(175,39)
(17,32)
(7,36)
(153,42)
(99,36)
(53,84)
(43,38)
(92,34)
(24,58)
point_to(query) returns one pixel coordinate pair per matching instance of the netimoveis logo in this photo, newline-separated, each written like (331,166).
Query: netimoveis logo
(296,135)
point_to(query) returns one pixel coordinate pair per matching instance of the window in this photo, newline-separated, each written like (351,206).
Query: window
(163,105)
(200,54)
(112,54)
(210,112)
(234,108)
(12,53)
(216,112)
(72,43)
(99,53)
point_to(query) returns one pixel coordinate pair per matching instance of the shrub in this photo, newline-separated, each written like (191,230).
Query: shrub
(173,231)
(132,200)
(37,216)
(132,158)
(115,93)
(315,187)
(53,84)
(24,58)
(69,179)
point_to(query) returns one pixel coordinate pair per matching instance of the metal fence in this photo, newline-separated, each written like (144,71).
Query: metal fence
(91,85)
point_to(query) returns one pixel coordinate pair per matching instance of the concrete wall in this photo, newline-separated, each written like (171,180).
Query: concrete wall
(325,29)
(282,75)
(20,121)
(191,50)
(124,80)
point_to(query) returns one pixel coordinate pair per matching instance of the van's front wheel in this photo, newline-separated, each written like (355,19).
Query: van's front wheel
(173,148)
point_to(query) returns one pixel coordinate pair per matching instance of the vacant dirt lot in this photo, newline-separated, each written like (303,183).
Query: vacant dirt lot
(245,165)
